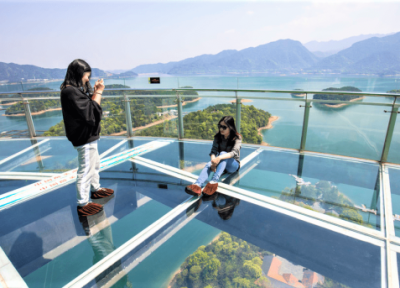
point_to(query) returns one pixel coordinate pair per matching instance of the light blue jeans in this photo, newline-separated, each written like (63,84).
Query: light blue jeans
(231,165)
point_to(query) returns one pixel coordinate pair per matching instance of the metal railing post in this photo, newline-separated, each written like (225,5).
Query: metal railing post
(180,116)
(238,112)
(28,116)
(305,124)
(389,132)
(128,116)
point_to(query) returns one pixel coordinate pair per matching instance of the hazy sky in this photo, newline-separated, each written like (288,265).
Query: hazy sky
(122,35)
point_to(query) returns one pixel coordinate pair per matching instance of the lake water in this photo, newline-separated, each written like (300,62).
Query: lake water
(354,130)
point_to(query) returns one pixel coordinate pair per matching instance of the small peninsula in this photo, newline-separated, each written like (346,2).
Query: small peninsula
(298,95)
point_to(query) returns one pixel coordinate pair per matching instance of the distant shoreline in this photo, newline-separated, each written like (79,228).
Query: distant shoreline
(146,126)
(7,104)
(271,120)
(343,104)
(33,113)
(183,104)
(242,101)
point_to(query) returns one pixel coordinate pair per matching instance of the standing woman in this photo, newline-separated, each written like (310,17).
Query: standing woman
(82,115)
(225,155)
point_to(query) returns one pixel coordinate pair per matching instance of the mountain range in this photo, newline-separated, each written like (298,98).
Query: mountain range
(375,55)
(16,73)
(327,48)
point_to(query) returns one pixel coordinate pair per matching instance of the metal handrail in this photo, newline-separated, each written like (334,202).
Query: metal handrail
(221,90)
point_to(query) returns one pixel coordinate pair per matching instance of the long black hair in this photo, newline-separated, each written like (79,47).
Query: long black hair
(233,134)
(74,76)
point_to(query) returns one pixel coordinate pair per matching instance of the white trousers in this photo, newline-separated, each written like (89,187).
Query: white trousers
(87,178)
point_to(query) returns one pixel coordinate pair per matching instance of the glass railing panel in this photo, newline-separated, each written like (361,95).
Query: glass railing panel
(56,155)
(191,157)
(394,153)
(12,124)
(336,187)
(113,122)
(272,122)
(223,241)
(347,129)
(155,115)
(54,238)
(47,116)
(202,114)
(394,176)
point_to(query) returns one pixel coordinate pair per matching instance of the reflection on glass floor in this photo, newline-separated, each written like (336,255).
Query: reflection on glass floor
(221,241)
(45,234)
(225,242)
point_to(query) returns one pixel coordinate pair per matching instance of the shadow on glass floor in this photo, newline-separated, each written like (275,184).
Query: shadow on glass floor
(226,242)
(45,233)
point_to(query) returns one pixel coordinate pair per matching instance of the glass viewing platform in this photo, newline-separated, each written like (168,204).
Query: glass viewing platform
(315,204)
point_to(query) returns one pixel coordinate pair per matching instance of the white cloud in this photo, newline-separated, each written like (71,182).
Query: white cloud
(250,12)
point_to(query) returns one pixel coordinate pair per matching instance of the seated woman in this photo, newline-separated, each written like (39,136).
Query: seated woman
(225,155)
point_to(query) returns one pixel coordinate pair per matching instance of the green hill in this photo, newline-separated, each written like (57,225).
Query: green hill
(203,124)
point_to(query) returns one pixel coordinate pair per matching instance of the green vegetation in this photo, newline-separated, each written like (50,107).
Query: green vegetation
(338,96)
(202,124)
(226,262)
(330,199)
(35,105)
(230,262)
(143,110)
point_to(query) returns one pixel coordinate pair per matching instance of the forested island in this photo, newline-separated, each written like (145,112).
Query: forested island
(339,97)
(324,197)
(230,262)
(203,124)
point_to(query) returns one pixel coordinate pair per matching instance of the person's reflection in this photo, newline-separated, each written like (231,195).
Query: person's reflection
(224,204)
(99,233)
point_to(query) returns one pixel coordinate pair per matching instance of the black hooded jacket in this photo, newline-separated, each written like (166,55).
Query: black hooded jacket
(81,115)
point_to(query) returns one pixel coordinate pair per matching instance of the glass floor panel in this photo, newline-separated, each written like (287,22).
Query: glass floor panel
(394,176)
(340,188)
(58,155)
(226,242)
(188,156)
(9,185)
(9,148)
(48,243)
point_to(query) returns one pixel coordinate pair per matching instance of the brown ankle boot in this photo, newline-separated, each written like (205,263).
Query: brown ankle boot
(193,190)
(89,209)
(210,188)
(102,193)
